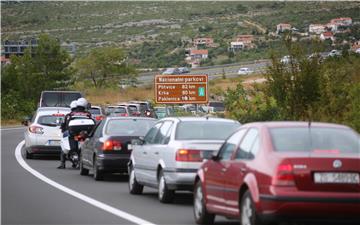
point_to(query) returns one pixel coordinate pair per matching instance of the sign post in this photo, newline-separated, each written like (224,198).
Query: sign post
(181,89)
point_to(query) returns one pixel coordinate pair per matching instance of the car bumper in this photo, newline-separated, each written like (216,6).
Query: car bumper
(39,140)
(180,179)
(113,163)
(41,149)
(281,208)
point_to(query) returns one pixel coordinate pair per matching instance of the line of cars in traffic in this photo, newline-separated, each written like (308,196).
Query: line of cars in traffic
(256,172)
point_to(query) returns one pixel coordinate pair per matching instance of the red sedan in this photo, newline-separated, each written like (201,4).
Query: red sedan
(275,171)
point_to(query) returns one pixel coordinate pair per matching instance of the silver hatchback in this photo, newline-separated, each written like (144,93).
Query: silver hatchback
(171,152)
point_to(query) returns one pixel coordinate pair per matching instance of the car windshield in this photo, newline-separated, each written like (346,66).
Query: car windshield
(303,139)
(95,111)
(50,120)
(119,110)
(204,130)
(130,127)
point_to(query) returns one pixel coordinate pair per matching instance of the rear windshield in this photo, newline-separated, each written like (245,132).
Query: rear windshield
(69,97)
(303,139)
(132,108)
(54,99)
(119,110)
(50,120)
(50,99)
(95,111)
(133,127)
(204,130)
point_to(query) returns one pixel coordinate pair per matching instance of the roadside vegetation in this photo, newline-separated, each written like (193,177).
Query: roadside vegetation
(305,89)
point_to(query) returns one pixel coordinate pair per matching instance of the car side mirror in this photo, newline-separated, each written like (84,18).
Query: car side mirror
(26,121)
(138,141)
(215,157)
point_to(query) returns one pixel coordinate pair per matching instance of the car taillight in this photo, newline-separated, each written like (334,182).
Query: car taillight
(284,176)
(97,118)
(36,130)
(110,145)
(188,155)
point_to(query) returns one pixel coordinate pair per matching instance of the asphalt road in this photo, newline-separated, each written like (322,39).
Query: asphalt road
(25,199)
(213,72)
(28,200)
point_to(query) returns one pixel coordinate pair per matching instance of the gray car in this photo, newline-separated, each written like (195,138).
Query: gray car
(169,155)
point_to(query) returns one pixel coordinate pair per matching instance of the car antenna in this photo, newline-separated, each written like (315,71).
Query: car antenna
(309,117)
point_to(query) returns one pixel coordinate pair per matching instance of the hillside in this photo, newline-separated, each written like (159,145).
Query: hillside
(155,33)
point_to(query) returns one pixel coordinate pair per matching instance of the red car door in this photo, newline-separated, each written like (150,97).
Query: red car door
(238,169)
(215,173)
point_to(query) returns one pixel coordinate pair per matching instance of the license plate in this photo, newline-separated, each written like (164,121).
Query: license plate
(129,147)
(336,178)
(54,142)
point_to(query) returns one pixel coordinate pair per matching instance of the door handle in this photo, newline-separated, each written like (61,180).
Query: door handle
(145,153)
(156,153)
(223,170)
(243,170)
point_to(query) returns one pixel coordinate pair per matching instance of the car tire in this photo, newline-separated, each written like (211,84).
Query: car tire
(134,187)
(164,194)
(83,171)
(28,155)
(98,174)
(201,215)
(248,214)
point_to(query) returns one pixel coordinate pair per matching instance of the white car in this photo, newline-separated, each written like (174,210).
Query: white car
(43,134)
(171,71)
(171,152)
(334,53)
(245,71)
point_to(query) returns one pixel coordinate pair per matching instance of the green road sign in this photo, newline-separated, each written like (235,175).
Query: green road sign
(201,91)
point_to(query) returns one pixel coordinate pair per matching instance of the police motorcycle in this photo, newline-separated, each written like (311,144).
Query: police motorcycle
(79,127)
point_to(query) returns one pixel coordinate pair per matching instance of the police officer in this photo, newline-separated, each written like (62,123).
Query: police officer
(64,128)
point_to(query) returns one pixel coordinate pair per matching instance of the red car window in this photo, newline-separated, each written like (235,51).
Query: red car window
(249,145)
(231,144)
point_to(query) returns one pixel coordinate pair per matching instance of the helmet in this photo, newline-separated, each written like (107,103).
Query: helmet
(73,104)
(82,102)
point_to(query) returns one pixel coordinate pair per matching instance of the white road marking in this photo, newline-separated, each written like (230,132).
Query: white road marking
(14,128)
(78,195)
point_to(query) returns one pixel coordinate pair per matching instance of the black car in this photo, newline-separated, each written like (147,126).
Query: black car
(108,147)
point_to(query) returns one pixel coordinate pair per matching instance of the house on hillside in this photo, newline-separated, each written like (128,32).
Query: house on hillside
(195,56)
(205,41)
(247,40)
(281,27)
(199,54)
(317,28)
(4,61)
(236,46)
(328,35)
(342,21)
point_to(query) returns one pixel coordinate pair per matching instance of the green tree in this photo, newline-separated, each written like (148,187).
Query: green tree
(294,85)
(104,66)
(46,67)
(248,105)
